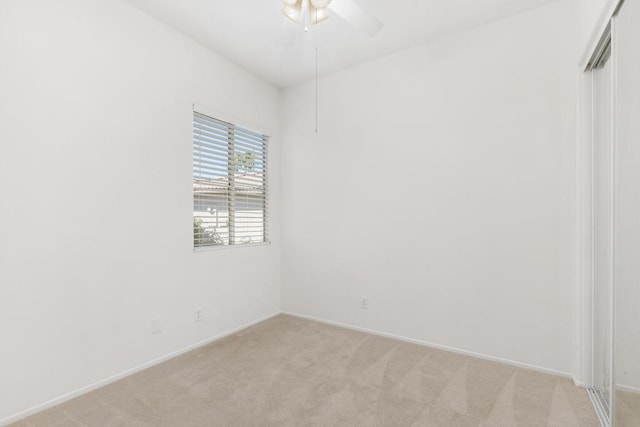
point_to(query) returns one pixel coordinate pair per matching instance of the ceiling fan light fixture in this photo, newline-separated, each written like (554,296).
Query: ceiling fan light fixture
(293,12)
(318,14)
(311,12)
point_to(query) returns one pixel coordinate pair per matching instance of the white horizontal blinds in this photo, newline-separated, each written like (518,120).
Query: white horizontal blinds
(211,219)
(250,186)
(229,184)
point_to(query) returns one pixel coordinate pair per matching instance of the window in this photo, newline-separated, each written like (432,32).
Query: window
(229,184)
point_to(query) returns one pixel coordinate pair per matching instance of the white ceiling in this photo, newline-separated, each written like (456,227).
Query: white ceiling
(255,35)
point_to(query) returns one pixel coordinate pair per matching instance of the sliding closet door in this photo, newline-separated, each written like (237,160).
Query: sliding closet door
(603,229)
(626,39)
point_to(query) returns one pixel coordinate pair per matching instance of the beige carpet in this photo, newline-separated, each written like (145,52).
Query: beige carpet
(293,372)
(627,409)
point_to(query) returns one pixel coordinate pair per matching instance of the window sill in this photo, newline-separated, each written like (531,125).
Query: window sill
(223,247)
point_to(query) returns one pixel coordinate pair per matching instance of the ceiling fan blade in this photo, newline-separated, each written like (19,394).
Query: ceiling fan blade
(356,16)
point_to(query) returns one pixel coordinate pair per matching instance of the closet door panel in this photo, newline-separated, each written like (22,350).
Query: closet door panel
(603,232)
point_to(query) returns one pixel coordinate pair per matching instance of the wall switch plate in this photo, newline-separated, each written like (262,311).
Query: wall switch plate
(198,315)
(364,304)
(156,326)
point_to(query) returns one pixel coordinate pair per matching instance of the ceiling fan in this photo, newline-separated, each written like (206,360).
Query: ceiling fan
(311,12)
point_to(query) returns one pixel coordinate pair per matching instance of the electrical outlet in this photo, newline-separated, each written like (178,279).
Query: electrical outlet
(364,303)
(198,315)
(156,326)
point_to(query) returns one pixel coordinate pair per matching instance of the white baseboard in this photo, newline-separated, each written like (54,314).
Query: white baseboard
(627,388)
(577,383)
(437,346)
(113,378)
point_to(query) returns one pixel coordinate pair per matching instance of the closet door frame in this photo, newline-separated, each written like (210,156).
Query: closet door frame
(604,36)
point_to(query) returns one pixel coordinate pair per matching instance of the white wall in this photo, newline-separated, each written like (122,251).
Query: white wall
(442,186)
(95,101)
